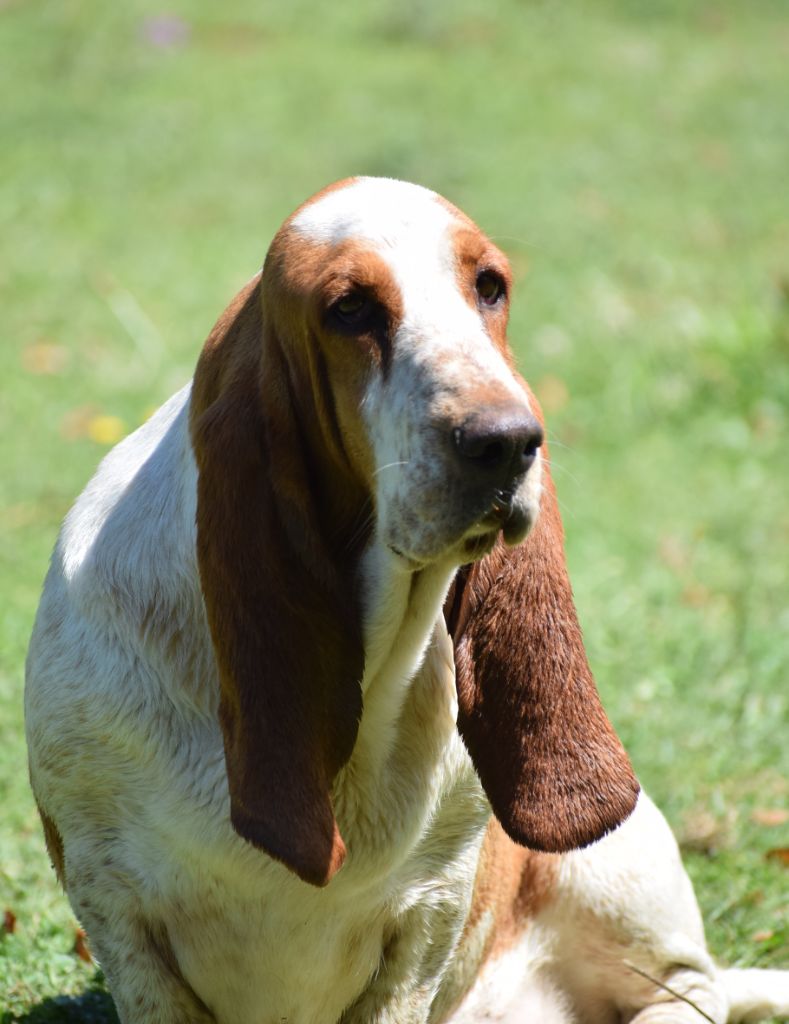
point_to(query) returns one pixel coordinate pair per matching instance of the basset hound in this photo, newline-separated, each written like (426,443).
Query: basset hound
(311,727)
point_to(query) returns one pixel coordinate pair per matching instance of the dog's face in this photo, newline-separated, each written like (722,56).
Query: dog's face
(403,303)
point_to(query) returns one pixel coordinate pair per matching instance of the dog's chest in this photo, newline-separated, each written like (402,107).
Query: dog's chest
(259,946)
(278,957)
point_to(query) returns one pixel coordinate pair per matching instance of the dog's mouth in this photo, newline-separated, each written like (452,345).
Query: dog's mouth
(407,561)
(479,546)
(513,519)
(506,518)
(471,549)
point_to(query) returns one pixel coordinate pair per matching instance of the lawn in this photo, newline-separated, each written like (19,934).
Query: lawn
(633,160)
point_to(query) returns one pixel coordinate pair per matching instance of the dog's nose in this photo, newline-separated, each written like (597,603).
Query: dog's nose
(498,445)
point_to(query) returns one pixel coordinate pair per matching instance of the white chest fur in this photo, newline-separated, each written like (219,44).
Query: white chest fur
(258,945)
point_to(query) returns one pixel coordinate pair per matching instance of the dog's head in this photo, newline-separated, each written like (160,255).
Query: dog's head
(363,387)
(407,302)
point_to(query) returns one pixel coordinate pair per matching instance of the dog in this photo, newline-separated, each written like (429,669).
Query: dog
(311,728)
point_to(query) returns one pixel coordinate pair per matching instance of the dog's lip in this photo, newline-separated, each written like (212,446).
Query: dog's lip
(494,518)
(504,513)
(517,525)
(410,563)
(513,521)
(504,517)
(479,544)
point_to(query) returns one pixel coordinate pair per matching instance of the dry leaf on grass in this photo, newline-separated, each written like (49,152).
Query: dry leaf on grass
(696,595)
(43,358)
(75,423)
(769,816)
(780,855)
(705,833)
(9,922)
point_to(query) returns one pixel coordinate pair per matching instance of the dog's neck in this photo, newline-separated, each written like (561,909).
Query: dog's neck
(408,754)
(402,609)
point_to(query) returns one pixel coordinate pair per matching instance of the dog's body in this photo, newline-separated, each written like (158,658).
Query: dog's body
(247,685)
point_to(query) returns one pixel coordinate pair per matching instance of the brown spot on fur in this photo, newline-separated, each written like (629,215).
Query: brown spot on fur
(475,253)
(513,885)
(54,845)
(307,277)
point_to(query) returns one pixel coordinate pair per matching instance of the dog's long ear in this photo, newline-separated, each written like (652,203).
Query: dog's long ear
(284,624)
(553,768)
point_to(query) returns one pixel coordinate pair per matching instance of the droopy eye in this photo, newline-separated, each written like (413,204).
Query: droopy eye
(352,308)
(490,287)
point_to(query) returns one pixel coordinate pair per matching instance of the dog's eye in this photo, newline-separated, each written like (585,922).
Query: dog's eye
(490,288)
(352,308)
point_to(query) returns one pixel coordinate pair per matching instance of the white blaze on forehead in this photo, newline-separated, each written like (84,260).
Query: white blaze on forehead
(383,211)
(407,225)
(411,229)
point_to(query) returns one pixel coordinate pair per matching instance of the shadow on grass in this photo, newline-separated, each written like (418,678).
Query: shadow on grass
(93,1006)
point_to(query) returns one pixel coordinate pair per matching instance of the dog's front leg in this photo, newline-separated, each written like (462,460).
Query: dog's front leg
(134,952)
(413,963)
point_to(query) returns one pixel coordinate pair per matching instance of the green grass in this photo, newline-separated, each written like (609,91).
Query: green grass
(633,156)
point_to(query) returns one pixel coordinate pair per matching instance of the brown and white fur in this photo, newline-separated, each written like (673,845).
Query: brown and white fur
(268,713)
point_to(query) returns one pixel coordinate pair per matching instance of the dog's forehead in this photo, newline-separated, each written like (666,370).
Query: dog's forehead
(383,212)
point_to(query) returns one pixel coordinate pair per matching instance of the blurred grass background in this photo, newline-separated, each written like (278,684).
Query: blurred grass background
(633,155)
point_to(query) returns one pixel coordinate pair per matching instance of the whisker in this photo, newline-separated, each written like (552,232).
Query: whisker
(565,509)
(567,512)
(553,440)
(389,465)
(366,519)
(526,243)
(563,469)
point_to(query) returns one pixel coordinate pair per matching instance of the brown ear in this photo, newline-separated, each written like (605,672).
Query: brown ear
(285,629)
(553,768)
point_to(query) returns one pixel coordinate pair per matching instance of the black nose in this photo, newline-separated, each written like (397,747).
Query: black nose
(499,444)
